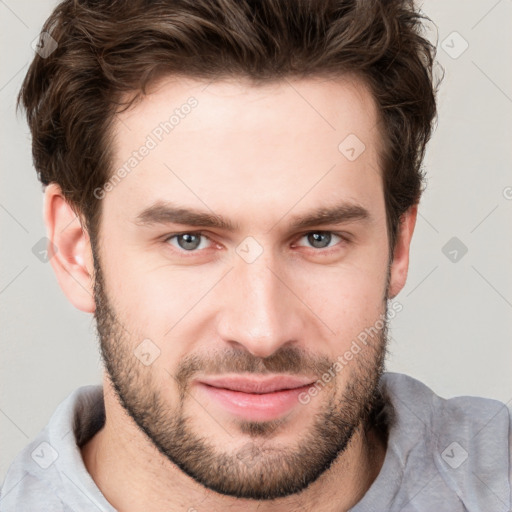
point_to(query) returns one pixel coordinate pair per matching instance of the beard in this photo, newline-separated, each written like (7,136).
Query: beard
(259,469)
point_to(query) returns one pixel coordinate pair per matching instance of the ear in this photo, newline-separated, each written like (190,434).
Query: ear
(69,250)
(400,263)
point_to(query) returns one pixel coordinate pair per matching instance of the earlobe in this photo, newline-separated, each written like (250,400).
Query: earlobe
(400,263)
(70,250)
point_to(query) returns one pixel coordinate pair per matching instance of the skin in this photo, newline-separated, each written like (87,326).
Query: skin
(259,157)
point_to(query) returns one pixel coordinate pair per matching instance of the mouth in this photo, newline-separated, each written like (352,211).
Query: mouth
(255,399)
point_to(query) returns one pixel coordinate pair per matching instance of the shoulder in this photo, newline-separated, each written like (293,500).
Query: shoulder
(468,439)
(39,477)
(24,492)
(477,416)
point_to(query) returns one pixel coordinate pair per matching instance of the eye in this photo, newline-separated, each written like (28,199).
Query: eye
(188,241)
(322,239)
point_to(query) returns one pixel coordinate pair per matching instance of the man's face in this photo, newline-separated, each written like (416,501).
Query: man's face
(262,300)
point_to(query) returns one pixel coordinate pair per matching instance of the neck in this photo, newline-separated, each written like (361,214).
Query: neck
(127,468)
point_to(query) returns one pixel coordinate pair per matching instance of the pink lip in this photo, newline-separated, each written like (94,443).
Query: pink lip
(257,399)
(259,385)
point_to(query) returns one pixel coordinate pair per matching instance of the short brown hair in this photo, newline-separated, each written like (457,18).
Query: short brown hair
(109,48)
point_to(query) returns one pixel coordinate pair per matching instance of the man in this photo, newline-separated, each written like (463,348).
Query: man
(231,190)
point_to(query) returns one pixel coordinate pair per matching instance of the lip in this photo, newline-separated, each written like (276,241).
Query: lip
(256,399)
(256,385)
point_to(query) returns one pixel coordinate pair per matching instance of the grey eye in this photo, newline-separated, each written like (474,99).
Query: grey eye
(319,240)
(189,241)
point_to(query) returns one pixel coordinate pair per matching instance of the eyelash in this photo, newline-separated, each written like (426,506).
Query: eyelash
(344,240)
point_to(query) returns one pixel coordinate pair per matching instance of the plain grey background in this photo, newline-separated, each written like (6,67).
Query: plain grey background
(454,332)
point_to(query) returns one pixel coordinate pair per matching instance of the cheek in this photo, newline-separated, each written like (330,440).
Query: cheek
(163,302)
(347,298)
(156,300)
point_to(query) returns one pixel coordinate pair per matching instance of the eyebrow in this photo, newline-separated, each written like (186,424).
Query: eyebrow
(163,212)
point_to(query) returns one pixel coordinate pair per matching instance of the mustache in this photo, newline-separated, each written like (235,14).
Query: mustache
(287,360)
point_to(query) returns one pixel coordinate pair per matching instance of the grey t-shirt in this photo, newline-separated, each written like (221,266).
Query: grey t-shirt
(450,455)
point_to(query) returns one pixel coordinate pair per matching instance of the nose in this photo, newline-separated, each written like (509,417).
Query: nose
(258,310)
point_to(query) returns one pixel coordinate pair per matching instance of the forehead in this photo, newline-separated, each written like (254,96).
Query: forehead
(320,105)
(232,146)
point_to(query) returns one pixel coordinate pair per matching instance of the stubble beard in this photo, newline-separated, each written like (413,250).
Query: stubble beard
(258,468)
